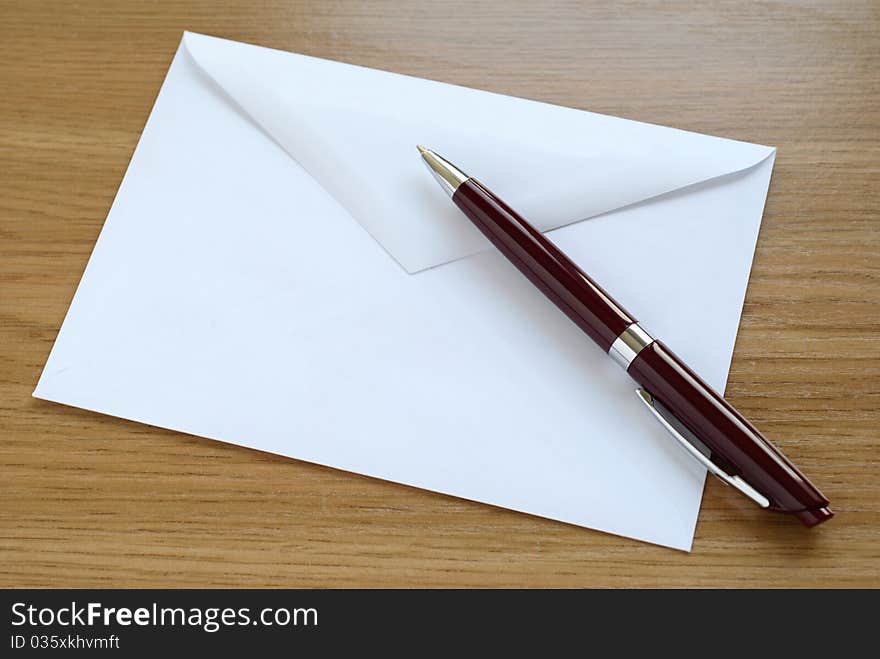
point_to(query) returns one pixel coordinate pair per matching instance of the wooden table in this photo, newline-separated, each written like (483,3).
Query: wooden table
(89,500)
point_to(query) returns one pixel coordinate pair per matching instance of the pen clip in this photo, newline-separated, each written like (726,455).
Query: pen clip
(681,435)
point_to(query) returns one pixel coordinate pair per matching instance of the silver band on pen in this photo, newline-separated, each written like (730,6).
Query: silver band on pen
(629,344)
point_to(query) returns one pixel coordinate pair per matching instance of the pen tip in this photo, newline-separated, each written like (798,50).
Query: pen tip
(421,149)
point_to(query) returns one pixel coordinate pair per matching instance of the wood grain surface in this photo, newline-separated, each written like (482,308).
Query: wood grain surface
(89,500)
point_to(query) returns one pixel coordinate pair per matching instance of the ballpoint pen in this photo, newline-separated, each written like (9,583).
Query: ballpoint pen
(706,426)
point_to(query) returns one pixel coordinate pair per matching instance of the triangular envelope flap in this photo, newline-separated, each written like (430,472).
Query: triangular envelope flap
(355,129)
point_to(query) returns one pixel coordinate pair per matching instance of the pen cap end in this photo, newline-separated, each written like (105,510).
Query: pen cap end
(813,517)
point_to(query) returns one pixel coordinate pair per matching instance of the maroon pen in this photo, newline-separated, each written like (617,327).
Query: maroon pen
(699,419)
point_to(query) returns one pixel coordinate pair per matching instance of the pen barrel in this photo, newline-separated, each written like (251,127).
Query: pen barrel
(725,432)
(544,264)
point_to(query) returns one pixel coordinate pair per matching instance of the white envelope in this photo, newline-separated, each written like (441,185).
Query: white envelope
(278,270)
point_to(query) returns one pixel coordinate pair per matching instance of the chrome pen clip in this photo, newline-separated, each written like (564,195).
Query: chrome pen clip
(681,435)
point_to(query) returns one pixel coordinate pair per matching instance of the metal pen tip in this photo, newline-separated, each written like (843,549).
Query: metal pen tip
(448,175)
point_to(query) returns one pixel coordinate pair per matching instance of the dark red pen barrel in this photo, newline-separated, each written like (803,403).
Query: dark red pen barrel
(727,434)
(545,265)
(730,437)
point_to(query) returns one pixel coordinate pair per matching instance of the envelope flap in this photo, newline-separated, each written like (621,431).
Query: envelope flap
(355,129)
